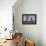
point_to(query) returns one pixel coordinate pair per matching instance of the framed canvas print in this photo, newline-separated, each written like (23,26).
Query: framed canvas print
(29,19)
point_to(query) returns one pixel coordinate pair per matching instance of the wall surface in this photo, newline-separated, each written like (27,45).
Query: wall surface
(6,13)
(32,32)
(43,22)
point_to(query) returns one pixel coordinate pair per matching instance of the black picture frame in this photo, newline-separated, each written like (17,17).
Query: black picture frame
(29,18)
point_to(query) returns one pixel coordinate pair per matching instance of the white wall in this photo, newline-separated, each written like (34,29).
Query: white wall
(30,31)
(6,13)
(43,22)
